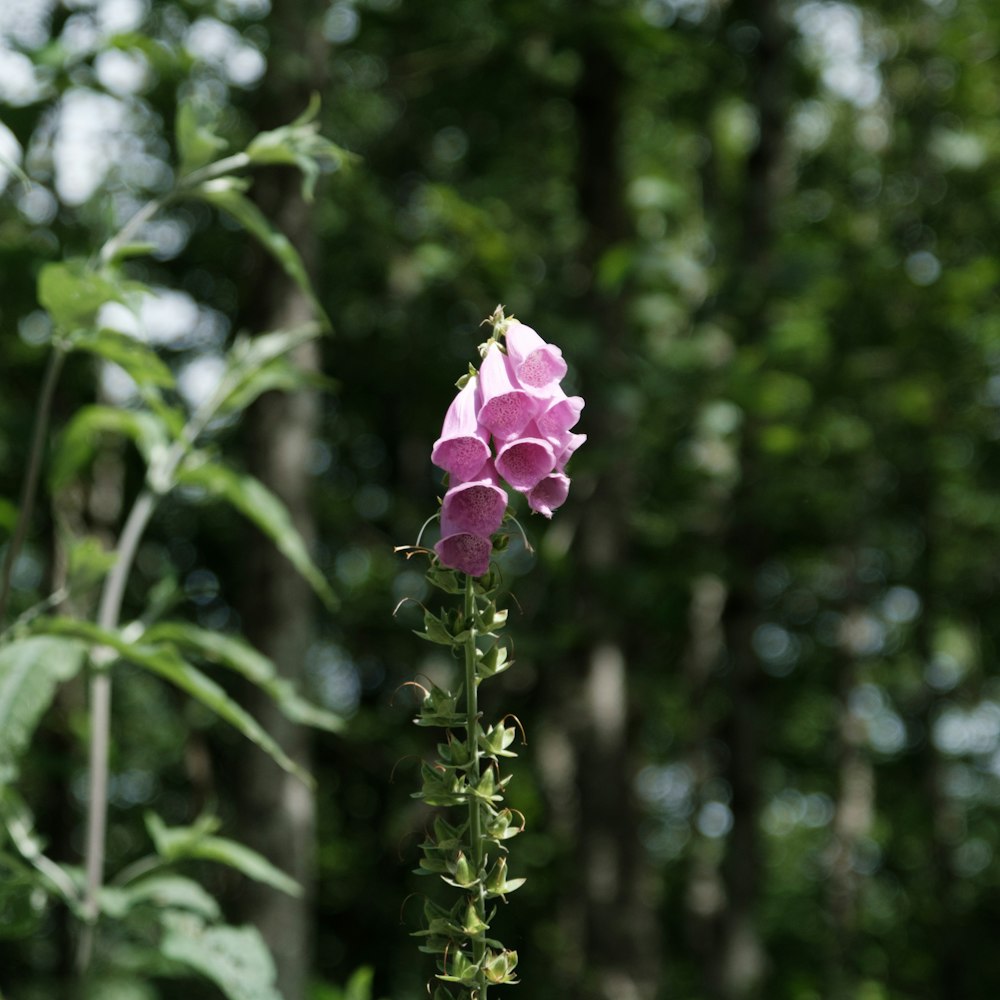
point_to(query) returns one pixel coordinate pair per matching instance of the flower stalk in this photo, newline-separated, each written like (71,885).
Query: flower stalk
(472,729)
(510,422)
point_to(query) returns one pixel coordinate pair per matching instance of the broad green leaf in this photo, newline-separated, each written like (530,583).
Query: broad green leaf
(227,196)
(31,669)
(167,663)
(234,958)
(174,892)
(73,292)
(196,843)
(238,655)
(197,141)
(79,441)
(139,361)
(256,502)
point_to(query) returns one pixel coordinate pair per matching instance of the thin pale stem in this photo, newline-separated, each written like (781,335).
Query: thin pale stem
(238,161)
(108,616)
(29,487)
(475,807)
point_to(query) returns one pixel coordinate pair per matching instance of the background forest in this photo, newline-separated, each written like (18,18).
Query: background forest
(756,650)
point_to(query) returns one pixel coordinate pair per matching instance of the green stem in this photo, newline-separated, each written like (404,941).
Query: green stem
(210,172)
(475,808)
(108,615)
(30,485)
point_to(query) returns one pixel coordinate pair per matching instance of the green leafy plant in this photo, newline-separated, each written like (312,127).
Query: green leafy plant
(149,919)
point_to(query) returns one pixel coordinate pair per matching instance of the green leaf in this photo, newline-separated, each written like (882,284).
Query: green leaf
(21,905)
(359,986)
(256,502)
(197,843)
(174,892)
(31,670)
(80,440)
(20,825)
(140,361)
(258,364)
(238,655)
(8,515)
(226,195)
(73,293)
(233,958)
(197,141)
(127,250)
(89,562)
(299,144)
(114,986)
(166,662)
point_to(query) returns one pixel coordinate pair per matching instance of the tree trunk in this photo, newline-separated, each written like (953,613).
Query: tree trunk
(612,916)
(740,966)
(277,812)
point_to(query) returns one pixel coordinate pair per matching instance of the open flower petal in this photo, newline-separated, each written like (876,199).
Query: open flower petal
(463,447)
(525,462)
(506,407)
(477,507)
(538,366)
(573,441)
(561,414)
(465,552)
(549,494)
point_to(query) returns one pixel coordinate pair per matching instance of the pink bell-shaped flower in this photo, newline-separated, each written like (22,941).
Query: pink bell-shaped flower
(463,447)
(477,507)
(537,366)
(571,443)
(561,413)
(525,461)
(465,552)
(506,407)
(549,494)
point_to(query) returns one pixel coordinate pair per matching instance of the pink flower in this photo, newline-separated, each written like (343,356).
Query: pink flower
(561,413)
(570,443)
(537,366)
(506,407)
(516,398)
(476,507)
(525,461)
(465,552)
(549,494)
(463,447)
